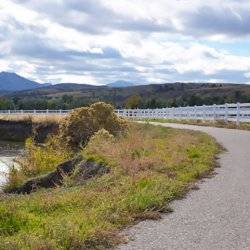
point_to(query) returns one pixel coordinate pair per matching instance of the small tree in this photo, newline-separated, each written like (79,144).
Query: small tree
(6,103)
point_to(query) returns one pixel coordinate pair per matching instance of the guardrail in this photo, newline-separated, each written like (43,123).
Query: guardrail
(239,112)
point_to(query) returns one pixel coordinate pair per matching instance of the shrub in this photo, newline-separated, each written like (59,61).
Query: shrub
(37,160)
(82,123)
(42,159)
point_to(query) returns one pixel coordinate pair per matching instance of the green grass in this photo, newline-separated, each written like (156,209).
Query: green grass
(151,166)
(216,123)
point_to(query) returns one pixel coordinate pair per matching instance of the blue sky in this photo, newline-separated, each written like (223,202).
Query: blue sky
(143,41)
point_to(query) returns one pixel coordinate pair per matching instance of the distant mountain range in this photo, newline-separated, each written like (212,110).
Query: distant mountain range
(11,82)
(26,94)
(14,82)
(121,84)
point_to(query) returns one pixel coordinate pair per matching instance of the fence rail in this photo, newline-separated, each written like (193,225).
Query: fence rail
(229,112)
(34,111)
(239,112)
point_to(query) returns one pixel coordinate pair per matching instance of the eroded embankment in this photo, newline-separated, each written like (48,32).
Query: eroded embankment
(20,130)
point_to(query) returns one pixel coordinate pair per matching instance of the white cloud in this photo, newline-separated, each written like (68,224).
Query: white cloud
(97,41)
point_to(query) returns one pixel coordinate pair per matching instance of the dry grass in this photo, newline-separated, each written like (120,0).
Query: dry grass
(143,149)
(42,118)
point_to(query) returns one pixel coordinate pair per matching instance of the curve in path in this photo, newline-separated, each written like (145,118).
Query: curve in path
(217,216)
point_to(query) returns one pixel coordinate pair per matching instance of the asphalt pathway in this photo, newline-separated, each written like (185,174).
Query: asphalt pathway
(217,216)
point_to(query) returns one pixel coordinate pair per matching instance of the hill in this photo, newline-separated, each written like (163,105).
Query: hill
(121,84)
(14,82)
(67,96)
(20,93)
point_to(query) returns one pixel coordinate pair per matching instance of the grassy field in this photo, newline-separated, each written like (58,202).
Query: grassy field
(217,123)
(150,167)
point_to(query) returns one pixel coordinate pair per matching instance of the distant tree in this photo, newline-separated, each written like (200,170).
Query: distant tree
(195,100)
(6,103)
(67,99)
(154,103)
(174,103)
(237,95)
(133,101)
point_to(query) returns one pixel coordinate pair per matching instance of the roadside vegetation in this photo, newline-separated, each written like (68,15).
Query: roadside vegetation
(216,123)
(149,167)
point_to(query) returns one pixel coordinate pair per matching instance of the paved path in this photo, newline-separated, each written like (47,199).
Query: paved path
(217,216)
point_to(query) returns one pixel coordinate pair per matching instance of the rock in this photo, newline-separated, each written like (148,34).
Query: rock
(90,169)
(85,171)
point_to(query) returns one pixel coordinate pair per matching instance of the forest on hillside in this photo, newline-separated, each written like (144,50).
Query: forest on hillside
(147,96)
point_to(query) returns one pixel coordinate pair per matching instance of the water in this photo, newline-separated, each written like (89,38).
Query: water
(8,152)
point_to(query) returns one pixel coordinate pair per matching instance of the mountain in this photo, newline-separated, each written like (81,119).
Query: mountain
(14,82)
(31,95)
(121,84)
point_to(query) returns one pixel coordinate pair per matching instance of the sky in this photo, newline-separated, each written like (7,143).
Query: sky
(142,41)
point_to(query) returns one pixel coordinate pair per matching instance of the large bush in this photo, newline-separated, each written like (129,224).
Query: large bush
(82,123)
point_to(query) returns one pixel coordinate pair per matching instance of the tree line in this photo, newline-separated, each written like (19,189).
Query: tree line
(134,101)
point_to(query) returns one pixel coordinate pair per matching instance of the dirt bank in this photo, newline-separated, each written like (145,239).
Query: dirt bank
(19,131)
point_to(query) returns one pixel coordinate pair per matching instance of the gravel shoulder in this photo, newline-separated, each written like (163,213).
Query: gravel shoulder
(217,216)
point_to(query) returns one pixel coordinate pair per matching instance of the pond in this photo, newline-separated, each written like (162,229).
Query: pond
(8,152)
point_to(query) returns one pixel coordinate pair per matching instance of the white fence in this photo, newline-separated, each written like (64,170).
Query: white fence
(229,112)
(34,112)
(239,112)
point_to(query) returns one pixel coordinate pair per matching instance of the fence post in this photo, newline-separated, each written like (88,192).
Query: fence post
(173,112)
(226,113)
(238,114)
(204,112)
(214,110)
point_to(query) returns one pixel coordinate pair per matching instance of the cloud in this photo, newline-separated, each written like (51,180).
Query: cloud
(214,20)
(194,17)
(141,40)
(94,17)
